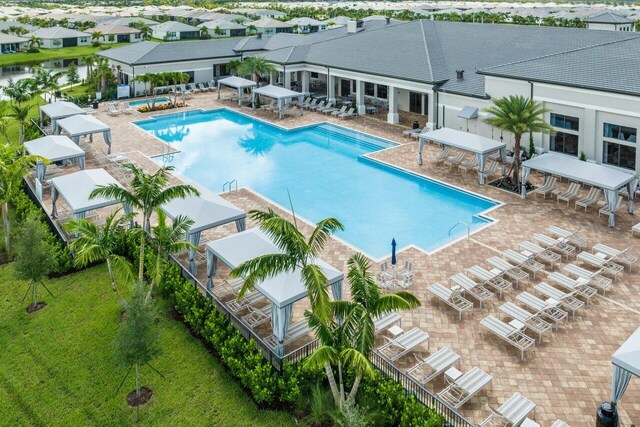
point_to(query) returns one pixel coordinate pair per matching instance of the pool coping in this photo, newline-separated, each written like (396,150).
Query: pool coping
(368,156)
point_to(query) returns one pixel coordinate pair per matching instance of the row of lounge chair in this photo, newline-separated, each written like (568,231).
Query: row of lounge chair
(113,109)
(451,159)
(328,108)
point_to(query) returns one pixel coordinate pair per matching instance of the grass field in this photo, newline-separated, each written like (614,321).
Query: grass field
(23,58)
(57,365)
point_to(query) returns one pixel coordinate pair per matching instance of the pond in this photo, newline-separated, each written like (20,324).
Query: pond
(18,72)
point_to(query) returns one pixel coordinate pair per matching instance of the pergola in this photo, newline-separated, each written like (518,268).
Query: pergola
(282,290)
(59,110)
(206,211)
(278,93)
(77,126)
(236,82)
(76,188)
(607,178)
(626,363)
(480,146)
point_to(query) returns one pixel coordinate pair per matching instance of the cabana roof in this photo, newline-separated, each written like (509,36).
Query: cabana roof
(75,189)
(285,288)
(61,109)
(54,147)
(207,210)
(236,82)
(82,125)
(589,173)
(628,355)
(463,141)
(276,92)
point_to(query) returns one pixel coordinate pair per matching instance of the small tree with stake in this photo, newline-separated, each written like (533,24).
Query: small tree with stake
(137,341)
(33,258)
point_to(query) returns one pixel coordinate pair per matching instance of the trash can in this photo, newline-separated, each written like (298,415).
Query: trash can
(416,125)
(95,105)
(606,415)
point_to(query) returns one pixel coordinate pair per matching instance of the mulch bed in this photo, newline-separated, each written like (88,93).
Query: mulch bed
(506,184)
(36,307)
(145,396)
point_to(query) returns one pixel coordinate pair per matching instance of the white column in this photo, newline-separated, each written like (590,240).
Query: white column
(287,80)
(271,78)
(393,117)
(590,141)
(431,109)
(306,77)
(331,85)
(360,98)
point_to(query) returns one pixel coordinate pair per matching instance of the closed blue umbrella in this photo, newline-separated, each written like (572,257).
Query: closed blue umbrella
(393,252)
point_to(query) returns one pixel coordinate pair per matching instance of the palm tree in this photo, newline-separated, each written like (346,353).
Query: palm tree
(19,92)
(145,79)
(103,69)
(96,244)
(297,253)
(258,67)
(45,80)
(204,33)
(347,340)
(233,65)
(518,115)
(96,36)
(156,80)
(148,193)
(251,29)
(90,61)
(218,31)
(20,114)
(33,43)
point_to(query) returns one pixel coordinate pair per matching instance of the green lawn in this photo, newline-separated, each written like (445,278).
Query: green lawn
(57,365)
(13,130)
(49,54)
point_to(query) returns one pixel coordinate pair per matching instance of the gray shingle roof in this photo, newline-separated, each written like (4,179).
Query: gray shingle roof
(111,28)
(175,26)
(152,52)
(5,25)
(56,33)
(609,18)
(130,19)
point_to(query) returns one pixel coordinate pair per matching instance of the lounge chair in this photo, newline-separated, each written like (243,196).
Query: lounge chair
(292,109)
(508,269)
(512,412)
(471,287)
(328,107)
(635,229)
(450,297)
(193,88)
(202,87)
(509,333)
(398,347)
(465,387)
(590,199)
(318,106)
(455,160)
(560,423)
(112,110)
(550,184)
(384,322)
(249,299)
(555,244)
(491,170)
(270,106)
(537,251)
(442,155)
(295,331)
(549,308)
(493,279)
(257,316)
(579,286)
(571,193)
(349,113)
(622,256)
(567,299)
(311,103)
(338,111)
(524,261)
(572,237)
(468,165)
(427,369)
(604,210)
(601,262)
(593,278)
(416,131)
(531,320)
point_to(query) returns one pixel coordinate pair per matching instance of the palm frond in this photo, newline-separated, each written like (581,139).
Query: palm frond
(321,356)
(263,267)
(283,233)
(396,301)
(316,283)
(357,361)
(364,289)
(324,229)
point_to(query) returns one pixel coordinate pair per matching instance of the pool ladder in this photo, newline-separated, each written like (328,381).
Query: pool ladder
(463,223)
(230,186)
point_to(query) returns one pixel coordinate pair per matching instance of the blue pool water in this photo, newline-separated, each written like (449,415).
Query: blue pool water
(324,170)
(159,100)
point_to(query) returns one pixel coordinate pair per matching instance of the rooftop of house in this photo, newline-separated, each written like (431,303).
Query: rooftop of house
(108,29)
(56,33)
(174,26)
(609,18)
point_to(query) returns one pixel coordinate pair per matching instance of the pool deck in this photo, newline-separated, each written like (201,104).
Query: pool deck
(566,376)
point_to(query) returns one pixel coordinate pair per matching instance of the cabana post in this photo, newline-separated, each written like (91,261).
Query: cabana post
(626,363)
(236,82)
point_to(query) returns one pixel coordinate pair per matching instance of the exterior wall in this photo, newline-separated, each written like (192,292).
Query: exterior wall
(57,43)
(610,27)
(177,35)
(113,38)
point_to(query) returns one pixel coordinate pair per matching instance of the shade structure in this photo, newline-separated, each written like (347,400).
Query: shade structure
(626,363)
(236,82)
(76,188)
(77,126)
(280,94)
(468,113)
(59,110)
(207,211)
(609,179)
(480,146)
(282,290)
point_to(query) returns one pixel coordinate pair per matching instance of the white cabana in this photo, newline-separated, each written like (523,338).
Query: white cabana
(76,188)
(280,94)
(626,363)
(236,82)
(282,290)
(206,211)
(480,146)
(59,110)
(609,179)
(77,126)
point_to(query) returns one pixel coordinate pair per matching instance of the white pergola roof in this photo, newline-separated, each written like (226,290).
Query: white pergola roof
(284,289)
(61,109)
(463,141)
(207,210)
(277,92)
(76,187)
(236,82)
(54,147)
(82,125)
(589,173)
(628,355)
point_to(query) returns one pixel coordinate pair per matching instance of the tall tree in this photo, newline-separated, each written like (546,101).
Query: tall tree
(518,115)
(20,113)
(258,67)
(19,92)
(96,37)
(33,43)
(73,78)
(148,192)
(232,66)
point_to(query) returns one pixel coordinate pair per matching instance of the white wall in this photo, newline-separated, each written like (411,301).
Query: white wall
(610,27)
(50,43)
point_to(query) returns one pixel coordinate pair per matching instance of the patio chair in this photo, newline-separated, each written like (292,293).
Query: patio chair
(246,301)
(560,423)
(295,331)
(329,107)
(315,107)
(450,297)
(555,244)
(112,110)
(349,113)
(471,287)
(270,106)
(531,320)
(465,387)
(311,103)
(571,193)
(385,322)
(579,286)
(126,108)
(193,88)
(468,165)
(429,368)
(618,255)
(524,261)
(549,308)
(540,253)
(428,128)
(550,184)
(202,88)
(442,155)
(605,209)
(512,271)
(509,333)
(567,299)
(512,412)
(337,111)
(491,170)
(594,278)
(572,237)
(455,160)
(590,199)
(398,347)
(292,109)
(257,316)
(493,279)
(600,262)
(635,229)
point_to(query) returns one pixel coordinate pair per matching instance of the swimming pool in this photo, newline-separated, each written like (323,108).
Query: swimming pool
(159,100)
(325,170)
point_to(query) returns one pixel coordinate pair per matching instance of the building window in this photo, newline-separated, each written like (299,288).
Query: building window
(623,133)
(415,102)
(564,122)
(83,39)
(565,143)
(619,146)
(369,89)
(314,75)
(382,91)
(112,38)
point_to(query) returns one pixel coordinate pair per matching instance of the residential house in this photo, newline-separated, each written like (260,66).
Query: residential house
(58,37)
(115,33)
(611,22)
(10,43)
(307,25)
(221,28)
(173,30)
(270,26)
